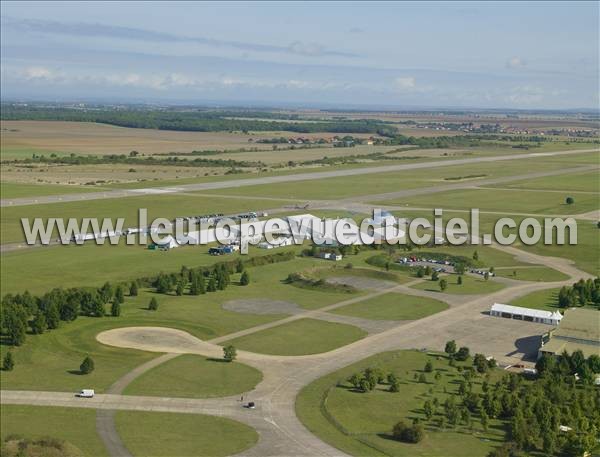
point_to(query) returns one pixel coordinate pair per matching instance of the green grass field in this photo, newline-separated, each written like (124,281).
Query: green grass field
(471,285)
(360,424)
(504,200)
(109,263)
(183,435)
(59,352)
(18,190)
(393,306)
(75,425)
(546,299)
(168,206)
(543,274)
(583,182)
(304,336)
(194,376)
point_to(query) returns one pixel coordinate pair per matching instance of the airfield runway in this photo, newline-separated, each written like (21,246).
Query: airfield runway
(120,193)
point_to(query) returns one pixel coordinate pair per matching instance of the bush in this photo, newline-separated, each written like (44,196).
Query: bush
(408,434)
(245,279)
(153,305)
(87,366)
(570,200)
(462,354)
(9,362)
(229,353)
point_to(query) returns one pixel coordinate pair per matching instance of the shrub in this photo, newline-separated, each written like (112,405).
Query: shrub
(408,434)
(87,366)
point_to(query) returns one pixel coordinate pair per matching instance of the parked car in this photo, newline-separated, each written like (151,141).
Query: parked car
(86,393)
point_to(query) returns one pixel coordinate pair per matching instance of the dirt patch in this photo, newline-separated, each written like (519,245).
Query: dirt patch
(362,283)
(261,306)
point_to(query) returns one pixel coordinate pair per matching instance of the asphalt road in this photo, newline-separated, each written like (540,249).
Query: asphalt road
(281,433)
(119,193)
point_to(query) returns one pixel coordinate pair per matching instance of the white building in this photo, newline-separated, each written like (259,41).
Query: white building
(526,314)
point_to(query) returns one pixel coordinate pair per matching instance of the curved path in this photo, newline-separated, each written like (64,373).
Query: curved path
(281,433)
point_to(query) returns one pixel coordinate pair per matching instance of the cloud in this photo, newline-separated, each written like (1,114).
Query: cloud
(356,30)
(526,95)
(405,83)
(515,62)
(84,29)
(41,75)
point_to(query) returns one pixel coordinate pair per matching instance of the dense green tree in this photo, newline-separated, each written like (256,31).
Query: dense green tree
(212,284)
(443,284)
(87,366)
(119,295)
(115,309)
(106,292)
(52,315)
(408,434)
(245,279)
(39,324)
(355,380)
(428,409)
(229,353)
(450,348)
(428,367)
(459,280)
(462,354)
(133,289)
(153,305)
(480,363)
(8,363)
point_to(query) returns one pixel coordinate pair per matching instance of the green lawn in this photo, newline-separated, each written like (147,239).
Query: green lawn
(113,263)
(194,376)
(546,299)
(365,184)
(152,434)
(470,285)
(359,424)
(304,336)
(169,206)
(585,254)
(393,306)
(399,277)
(504,200)
(587,182)
(532,274)
(58,353)
(75,425)
(17,190)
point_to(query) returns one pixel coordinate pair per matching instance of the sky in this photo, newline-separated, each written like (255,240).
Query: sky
(538,55)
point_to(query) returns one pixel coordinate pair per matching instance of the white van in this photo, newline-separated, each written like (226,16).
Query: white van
(86,393)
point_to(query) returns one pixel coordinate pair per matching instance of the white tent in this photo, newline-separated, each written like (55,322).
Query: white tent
(526,314)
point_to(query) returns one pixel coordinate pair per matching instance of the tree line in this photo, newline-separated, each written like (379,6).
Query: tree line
(193,120)
(583,292)
(37,314)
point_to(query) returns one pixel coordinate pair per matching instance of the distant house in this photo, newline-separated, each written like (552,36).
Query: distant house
(526,314)
(578,330)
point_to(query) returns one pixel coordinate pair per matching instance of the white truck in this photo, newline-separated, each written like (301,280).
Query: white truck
(86,393)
